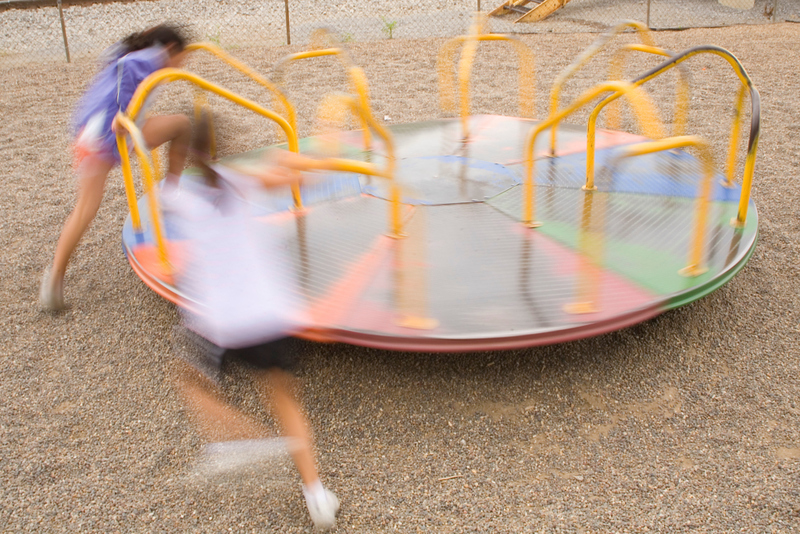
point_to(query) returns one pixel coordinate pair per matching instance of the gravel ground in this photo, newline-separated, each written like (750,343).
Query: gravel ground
(685,423)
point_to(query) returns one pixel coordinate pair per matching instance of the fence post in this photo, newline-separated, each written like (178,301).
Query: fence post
(647,22)
(288,33)
(63,29)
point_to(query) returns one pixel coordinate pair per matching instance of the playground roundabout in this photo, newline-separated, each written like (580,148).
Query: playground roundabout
(482,231)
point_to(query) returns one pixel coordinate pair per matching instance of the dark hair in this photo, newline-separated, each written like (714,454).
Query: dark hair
(162,34)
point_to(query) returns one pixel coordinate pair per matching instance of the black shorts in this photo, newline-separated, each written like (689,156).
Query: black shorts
(209,358)
(272,354)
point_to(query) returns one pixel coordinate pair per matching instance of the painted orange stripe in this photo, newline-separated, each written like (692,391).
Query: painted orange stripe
(340,298)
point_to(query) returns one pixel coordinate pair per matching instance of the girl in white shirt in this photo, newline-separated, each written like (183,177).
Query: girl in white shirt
(243,306)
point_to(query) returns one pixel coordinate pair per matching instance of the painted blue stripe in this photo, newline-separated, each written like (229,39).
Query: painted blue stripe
(672,173)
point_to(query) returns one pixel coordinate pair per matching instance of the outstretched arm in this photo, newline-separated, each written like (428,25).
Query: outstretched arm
(277,169)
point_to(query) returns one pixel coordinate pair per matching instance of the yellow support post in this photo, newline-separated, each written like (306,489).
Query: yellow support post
(682,90)
(590,245)
(642,31)
(755,124)
(156,163)
(695,266)
(730,168)
(469,44)
(124,124)
(127,176)
(358,79)
(644,113)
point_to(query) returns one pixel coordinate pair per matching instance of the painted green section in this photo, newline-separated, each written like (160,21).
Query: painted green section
(699,292)
(654,270)
(657,270)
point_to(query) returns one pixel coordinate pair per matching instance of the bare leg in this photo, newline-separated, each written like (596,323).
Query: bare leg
(91,184)
(175,129)
(277,391)
(322,504)
(216,419)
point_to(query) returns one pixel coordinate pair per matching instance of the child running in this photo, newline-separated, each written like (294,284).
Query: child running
(243,306)
(127,63)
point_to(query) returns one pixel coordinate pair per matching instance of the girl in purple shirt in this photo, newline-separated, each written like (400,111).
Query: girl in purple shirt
(128,63)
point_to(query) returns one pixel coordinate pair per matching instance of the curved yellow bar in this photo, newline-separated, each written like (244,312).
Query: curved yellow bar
(682,97)
(171,75)
(755,126)
(527,79)
(695,266)
(358,79)
(357,109)
(644,35)
(616,70)
(123,124)
(395,218)
(645,114)
(290,113)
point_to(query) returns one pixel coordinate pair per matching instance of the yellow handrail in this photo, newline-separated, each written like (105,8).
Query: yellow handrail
(695,266)
(395,217)
(644,35)
(682,90)
(527,79)
(616,69)
(289,110)
(126,122)
(171,75)
(358,80)
(755,124)
(123,124)
(643,109)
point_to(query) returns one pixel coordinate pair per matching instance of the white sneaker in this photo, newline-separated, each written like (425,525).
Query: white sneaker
(51,293)
(322,510)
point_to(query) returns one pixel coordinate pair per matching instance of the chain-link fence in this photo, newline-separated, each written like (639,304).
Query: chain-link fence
(33,30)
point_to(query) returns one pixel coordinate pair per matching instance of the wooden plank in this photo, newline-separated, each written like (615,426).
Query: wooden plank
(506,7)
(501,9)
(542,11)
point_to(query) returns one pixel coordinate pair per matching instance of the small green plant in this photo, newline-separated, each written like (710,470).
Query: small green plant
(347,38)
(216,37)
(388,27)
